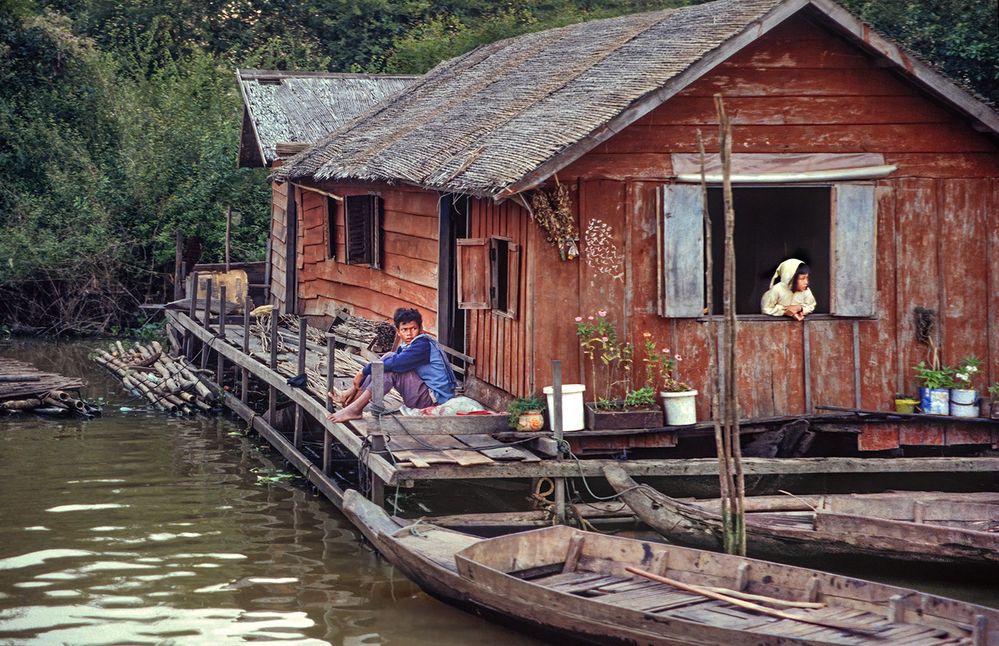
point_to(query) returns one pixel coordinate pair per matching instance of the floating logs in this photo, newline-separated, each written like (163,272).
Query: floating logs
(170,384)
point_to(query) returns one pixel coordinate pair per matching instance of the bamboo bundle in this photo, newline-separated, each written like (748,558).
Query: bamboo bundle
(168,383)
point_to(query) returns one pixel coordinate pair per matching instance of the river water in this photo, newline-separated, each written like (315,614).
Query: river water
(138,528)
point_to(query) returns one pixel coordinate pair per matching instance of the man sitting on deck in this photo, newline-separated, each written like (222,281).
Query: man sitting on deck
(418,370)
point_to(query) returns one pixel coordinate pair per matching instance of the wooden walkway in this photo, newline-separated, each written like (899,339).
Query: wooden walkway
(430,449)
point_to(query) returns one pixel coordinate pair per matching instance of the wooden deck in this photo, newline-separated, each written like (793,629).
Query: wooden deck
(431,449)
(19,380)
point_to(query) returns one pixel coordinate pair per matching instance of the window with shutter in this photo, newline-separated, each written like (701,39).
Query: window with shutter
(504,263)
(832,228)
(473,275)
(331,228)
(362,229)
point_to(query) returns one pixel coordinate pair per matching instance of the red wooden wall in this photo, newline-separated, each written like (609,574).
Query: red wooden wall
(408,277)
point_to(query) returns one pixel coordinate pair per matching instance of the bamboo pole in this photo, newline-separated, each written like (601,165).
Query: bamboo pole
(330,377)
(245,381)
(219,358)
(271,390)
(559,492)
(302,350)
(735,528)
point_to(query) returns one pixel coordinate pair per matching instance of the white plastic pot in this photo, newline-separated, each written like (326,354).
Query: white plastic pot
(573,418)
(681,409)
(963,402)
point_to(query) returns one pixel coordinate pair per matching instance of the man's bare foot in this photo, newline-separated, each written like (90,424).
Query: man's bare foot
(342,416)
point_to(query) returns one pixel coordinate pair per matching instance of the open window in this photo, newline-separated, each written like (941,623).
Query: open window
(362,230)
(832,228)
(488,275)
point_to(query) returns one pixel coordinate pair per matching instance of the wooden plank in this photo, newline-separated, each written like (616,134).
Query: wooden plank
(311,406)
(706,467)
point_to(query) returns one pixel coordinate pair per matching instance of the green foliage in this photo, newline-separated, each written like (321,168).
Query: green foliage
(644,396)
(958,36)
(941,377)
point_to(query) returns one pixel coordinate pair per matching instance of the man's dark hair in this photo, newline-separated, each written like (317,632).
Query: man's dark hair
(407,315)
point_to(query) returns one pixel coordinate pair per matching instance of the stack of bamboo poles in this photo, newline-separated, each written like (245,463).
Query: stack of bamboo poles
(52,401)
(168,383)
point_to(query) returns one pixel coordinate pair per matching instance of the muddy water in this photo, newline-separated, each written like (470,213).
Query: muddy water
(136,528)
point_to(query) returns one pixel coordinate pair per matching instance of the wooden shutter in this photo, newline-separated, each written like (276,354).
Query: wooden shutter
(362,225)
(472,260)
(512,280)
(682,251)
(854,250)
(331,228)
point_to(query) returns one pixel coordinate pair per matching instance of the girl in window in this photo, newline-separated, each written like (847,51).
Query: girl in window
(789,294)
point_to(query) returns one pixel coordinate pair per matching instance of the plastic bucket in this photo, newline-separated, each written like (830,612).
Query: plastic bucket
(964,402)
(572,406)
(935,401)
(681,409)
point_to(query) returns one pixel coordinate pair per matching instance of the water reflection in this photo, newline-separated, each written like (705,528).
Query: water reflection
(135,528)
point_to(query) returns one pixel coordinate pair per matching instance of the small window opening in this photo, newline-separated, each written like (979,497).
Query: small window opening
(772,224)
(501,274)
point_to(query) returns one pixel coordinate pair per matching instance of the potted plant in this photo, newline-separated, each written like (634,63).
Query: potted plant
(603,348)
(934,395)
(963,396)
(679,399)
(990,404)
(526,413)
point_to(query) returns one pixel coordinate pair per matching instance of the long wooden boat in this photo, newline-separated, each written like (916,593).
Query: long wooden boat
(914,527)
(602,589)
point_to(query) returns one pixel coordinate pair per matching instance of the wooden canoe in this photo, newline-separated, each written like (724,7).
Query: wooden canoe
(917,527)
(596,588)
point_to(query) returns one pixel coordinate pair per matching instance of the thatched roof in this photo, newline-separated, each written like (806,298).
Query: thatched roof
(302,107)
(503,118)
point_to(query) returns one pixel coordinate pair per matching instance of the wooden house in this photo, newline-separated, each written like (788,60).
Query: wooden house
(848,152)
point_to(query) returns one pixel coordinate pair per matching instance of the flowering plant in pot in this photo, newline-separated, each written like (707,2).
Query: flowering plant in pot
(616,406)
(678,397)
(934,395)
(963,395)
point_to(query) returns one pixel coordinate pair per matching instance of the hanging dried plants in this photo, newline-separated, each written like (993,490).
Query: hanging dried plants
(552,210)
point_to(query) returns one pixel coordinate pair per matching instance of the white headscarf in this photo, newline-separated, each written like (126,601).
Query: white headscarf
(785,272)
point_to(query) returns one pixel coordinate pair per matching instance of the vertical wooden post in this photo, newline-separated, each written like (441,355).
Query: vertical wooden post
(228,234)
(219,358)
(330,377)
(178,270)
(271,390)
(557,422)
(377,439)
(206,348)
(245,382)
(303,330)
(191,312)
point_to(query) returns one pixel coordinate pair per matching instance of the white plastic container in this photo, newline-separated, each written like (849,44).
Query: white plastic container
(681,407)
(963,402)
(572,406)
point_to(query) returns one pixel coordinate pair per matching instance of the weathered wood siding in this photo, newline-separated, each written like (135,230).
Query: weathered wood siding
(802,89)
(279,239)
(408,277)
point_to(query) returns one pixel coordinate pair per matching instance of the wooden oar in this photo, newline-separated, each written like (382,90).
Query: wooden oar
(773,601)
(752,606)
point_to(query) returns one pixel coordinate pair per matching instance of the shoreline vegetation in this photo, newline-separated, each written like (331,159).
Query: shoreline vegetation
(119,122)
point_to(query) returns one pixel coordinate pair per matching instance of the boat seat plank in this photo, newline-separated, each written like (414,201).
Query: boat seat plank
(558,581)
(647,597)
(719,613)
(586,585)
(630,585)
